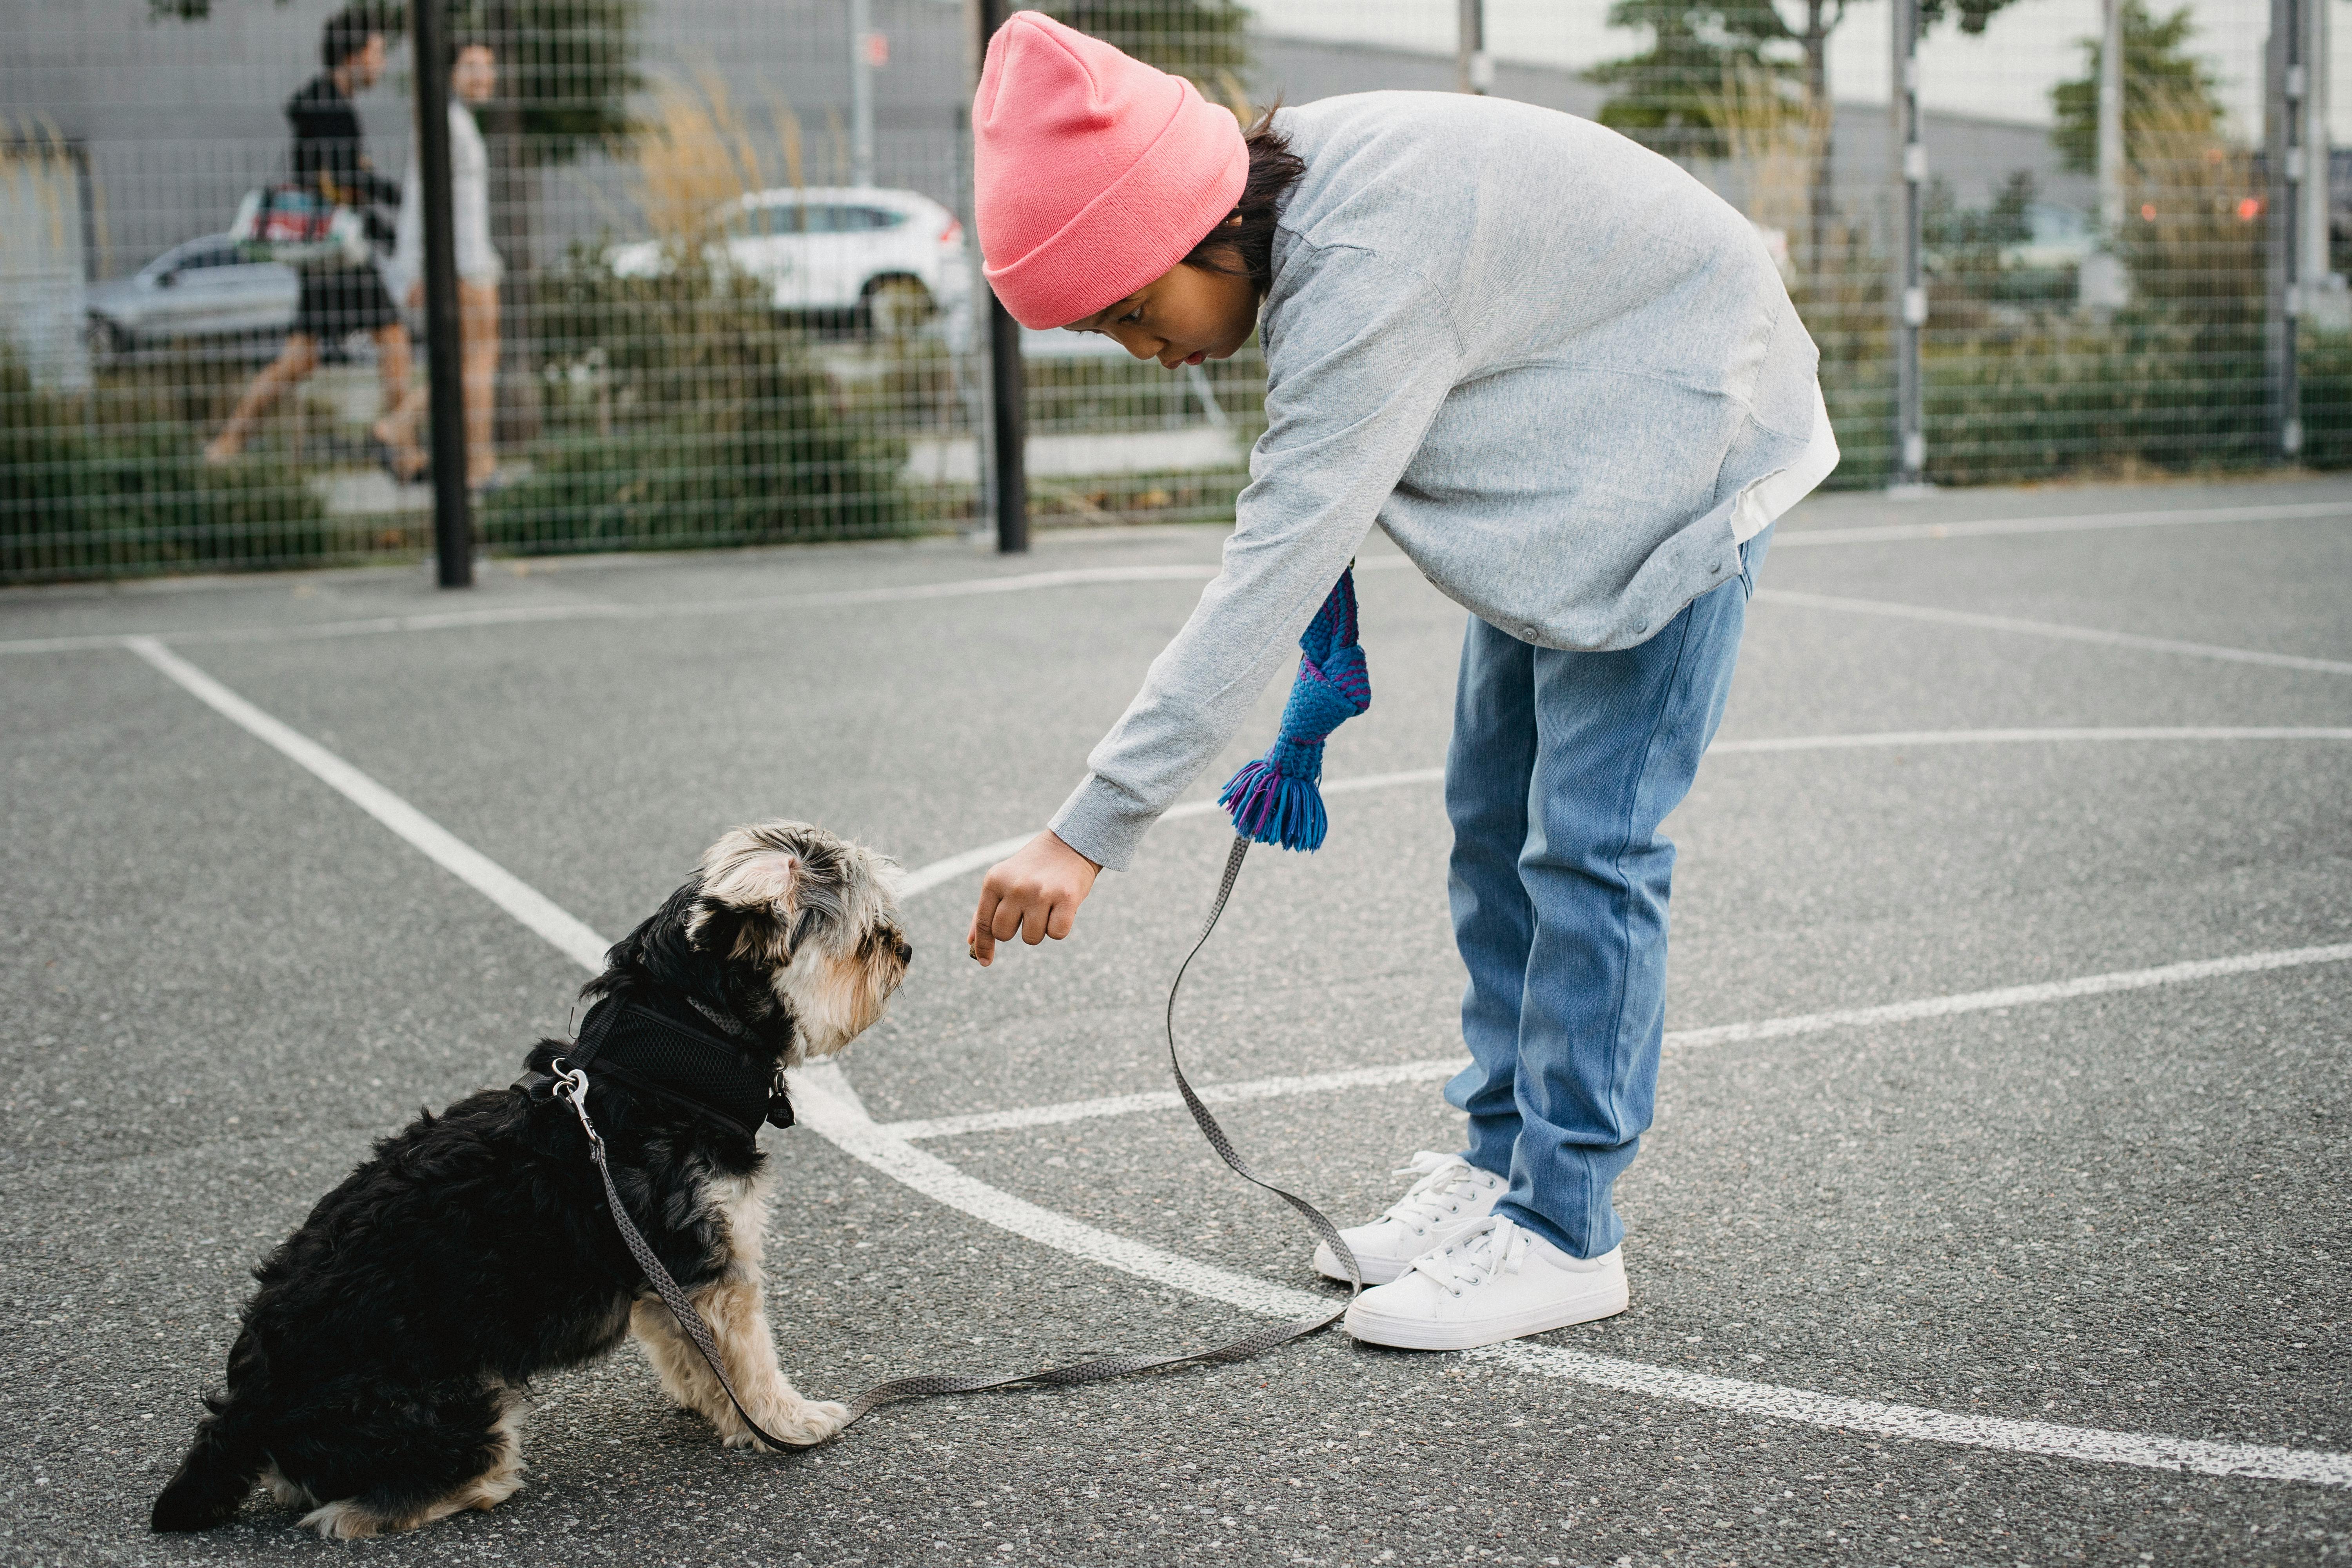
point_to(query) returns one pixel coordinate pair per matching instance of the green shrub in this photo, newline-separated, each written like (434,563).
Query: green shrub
(2326,385)
(684,412)
(2152,395)
(87,489)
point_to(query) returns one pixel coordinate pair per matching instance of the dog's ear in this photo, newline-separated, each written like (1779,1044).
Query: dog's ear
(752,882)
(748,869)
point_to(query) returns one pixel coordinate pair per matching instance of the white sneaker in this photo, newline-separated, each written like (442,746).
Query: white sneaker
(1497,1283)
(1451,1197)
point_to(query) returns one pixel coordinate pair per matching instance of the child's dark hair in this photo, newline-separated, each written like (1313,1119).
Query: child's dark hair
(1246,249)
(347,33)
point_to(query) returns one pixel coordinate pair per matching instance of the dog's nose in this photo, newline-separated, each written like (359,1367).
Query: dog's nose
(906,951)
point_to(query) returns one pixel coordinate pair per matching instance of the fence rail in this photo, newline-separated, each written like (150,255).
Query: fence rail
(735,295)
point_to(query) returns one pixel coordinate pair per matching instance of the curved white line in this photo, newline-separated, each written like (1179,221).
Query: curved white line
(819,1097)
(2091,1445)
(830,1108)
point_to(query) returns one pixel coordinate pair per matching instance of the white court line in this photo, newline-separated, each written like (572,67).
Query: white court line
(1080,576)
(1243,1090)
(832,1110)
(925,877)
(599,610)
(445,848)
(2089,1444)
(2062,523)
(940,871)
(1233,1093)
(2013,995)
(2053,629)
(1905,738)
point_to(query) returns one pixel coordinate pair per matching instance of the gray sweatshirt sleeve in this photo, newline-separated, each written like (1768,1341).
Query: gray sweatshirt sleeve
(1360,353)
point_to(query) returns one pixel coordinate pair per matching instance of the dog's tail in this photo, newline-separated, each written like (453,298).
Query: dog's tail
(211,1483)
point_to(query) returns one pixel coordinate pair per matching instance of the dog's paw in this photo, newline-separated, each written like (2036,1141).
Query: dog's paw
(804,1424)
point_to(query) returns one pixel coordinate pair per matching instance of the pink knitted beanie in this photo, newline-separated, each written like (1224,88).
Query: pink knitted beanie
(1093,173)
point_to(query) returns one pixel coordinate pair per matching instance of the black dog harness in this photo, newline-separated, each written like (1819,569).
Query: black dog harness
(659,1052)
(666,1050)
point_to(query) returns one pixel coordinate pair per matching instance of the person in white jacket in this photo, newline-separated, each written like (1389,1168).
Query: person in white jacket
(473,77)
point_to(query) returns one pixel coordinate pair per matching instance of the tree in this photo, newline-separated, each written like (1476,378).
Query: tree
(1672,97)
(2164,85)
(1206,40)
(1712,54)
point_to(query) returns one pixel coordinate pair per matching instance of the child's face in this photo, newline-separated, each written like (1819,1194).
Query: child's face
(1183,317)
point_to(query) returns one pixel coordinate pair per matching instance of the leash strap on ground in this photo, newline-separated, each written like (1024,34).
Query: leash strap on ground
(573,1086)
(1241,1349)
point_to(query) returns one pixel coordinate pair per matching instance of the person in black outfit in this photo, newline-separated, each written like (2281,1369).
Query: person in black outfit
(338,301)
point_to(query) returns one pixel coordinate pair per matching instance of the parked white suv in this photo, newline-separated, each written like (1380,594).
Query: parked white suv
(895,258)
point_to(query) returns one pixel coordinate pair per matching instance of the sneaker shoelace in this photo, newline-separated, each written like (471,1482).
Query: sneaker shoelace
(1447,1181)
(1496,1246)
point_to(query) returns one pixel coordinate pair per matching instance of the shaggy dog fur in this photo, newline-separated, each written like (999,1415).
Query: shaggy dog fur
(383,1363)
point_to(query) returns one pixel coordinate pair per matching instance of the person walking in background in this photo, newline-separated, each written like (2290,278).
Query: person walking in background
(337,301)
(473,77)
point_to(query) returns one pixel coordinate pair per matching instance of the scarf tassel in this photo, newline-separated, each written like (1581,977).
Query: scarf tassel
(1272,806)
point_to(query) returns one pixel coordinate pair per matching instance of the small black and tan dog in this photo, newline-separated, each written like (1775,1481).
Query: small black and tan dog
(386,1361)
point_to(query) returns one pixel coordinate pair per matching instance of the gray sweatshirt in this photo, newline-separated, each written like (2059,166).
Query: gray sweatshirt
(1546,360)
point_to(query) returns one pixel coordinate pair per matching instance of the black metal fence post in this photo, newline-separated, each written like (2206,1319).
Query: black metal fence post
(1008,391)
(453,532)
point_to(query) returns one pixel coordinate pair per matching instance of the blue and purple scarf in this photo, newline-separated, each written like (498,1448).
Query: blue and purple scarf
(1276,800)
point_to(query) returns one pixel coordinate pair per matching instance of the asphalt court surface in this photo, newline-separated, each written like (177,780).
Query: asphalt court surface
(2121,1214)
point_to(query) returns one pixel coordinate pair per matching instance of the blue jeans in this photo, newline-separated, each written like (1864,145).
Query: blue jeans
(1561,769)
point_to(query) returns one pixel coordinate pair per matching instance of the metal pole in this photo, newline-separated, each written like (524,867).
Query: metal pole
(2284,150)
(861,92)
(2111,120)
(453,532)
(1910,302)
(2101,285)
(2316,199)
(1473,67)
(1008,400)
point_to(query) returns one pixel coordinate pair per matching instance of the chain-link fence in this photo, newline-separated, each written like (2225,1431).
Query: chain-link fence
(719,287)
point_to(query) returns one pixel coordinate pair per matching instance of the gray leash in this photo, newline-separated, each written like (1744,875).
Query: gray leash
(573,1086)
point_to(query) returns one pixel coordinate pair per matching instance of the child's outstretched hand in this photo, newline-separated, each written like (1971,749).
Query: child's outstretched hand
(1033,895)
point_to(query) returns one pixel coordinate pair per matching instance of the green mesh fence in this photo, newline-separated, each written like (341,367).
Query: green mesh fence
(724,289)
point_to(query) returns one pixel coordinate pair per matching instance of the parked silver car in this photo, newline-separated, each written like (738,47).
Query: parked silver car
(201,290)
